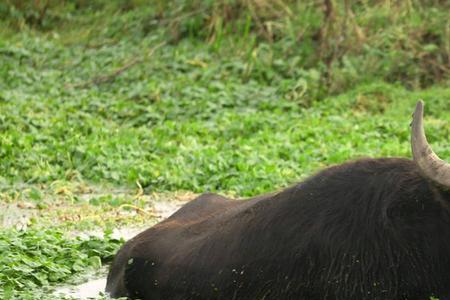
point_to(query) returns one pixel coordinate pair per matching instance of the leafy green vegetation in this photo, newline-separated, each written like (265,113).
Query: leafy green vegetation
(35,258)
(238,97)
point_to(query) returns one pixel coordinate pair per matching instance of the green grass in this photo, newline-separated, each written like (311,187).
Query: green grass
(172,124)
(225,105)
(36,258)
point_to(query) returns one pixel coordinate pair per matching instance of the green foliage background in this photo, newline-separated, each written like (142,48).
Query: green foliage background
(234,96)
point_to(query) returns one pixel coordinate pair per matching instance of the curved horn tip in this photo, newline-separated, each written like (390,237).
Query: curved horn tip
(418,112)
(419,108)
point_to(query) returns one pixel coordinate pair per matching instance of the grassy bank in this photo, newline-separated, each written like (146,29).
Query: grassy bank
(185,119)
(236,97)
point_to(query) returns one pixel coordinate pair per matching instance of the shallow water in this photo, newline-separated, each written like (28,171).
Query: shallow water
(90,289)
(96,284)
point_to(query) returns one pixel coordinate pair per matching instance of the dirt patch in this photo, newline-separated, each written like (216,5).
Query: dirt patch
(14,215)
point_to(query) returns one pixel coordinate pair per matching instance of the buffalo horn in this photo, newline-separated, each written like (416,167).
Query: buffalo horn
(428,162)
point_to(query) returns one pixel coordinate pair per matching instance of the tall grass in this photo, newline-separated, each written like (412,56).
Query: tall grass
(329,45)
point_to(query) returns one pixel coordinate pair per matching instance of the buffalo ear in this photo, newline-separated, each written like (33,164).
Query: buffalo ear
(415,209)
(402,210)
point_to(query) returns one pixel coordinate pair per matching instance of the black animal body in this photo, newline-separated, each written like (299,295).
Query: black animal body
(366,229)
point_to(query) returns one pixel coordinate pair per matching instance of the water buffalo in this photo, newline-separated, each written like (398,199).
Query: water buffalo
(366,229)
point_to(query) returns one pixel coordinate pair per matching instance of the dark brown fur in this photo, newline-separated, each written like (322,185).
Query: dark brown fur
(369,229)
